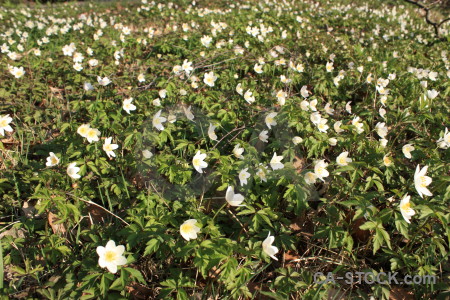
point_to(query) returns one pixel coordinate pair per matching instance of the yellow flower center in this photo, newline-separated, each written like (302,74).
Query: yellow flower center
(83,130)
(423,181)
(110,256)
(54,160)
(107,147)
(3,123)
(92,133)
(196,162)
(406,207)
(185,228)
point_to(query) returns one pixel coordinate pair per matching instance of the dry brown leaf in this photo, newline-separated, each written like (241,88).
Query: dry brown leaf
(97,214)
(335,294)
(58,228)
(29,210)
(290,256)
(399,293)
(139,291)
(299,163)
(214,272)
(14,232)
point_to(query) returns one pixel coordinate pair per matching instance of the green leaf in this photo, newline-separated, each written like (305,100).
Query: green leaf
(152,246)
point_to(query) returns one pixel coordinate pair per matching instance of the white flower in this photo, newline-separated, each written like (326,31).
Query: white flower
(387,161)
(343,159)
(93,62)
(240,90)
(358,125)
(127,106)
(276,163)
(432,75)
(141,78)
(320,169)
(78,57)
(87,86)
(198,161)
(68,50)
(72,171)
(187,66)
(237,151)
(262,171)
(243,176)
(284,79)
(93,135)
(304,105)
(381,129)
(103,81)
(158,120)
(52,160)
(258,68)
(4,124)
(147,154)
(176,69)
(162,93)
(329,67)
(281,97)
(111,256)
(322,126)
(248,96)
(337,127)
(109,148)
(406,149)
(232,198)
(263,136)
(17,72)
(304,91)
(270,119)
(383,142)
(348,108)
(405,208)
(421,181)
(210,78)
(328,109)
(78,67)
(83,130)
(268,248)
(332,141)
(212,135)
(382,112)
(432,94)
(444,142)
(297,140)
(310,178)
(188,113)
(189,230)
(312,105)
(206,41)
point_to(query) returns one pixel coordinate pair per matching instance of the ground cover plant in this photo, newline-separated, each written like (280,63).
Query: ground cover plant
(223,150)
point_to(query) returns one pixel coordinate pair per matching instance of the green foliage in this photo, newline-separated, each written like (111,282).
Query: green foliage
(347,221)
